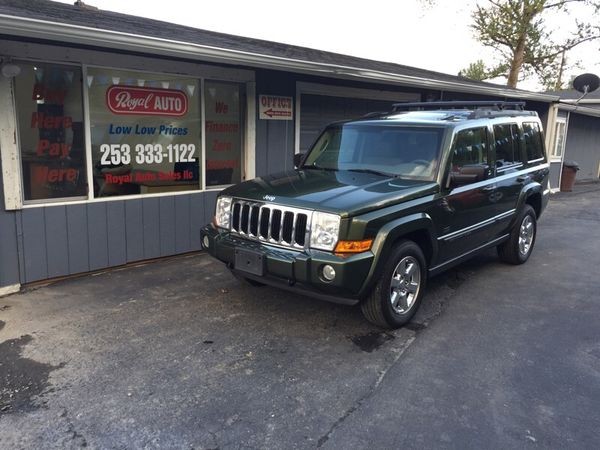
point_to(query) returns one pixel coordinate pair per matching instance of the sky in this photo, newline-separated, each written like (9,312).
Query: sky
(432,34)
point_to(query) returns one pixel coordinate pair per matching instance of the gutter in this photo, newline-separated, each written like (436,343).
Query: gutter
(592,101)
(81,35)
(576,109)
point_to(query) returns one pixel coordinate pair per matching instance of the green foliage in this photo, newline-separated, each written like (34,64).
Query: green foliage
(475,71)
(517,31)
(479,71)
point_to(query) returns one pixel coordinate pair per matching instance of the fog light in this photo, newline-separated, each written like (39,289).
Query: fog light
(328,272)
(206,242)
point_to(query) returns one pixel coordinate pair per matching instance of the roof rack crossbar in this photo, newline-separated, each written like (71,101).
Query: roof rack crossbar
(497,105)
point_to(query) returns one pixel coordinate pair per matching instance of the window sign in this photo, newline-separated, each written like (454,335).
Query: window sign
(50,116)
(145,132)
(223,133)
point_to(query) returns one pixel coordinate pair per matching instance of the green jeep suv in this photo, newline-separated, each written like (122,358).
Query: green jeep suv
(380,204)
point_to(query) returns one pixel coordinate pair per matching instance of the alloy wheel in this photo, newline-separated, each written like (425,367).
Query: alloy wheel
(526,233)
(405,284)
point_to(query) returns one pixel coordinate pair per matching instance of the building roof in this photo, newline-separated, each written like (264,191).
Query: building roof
(588,105)
(81,25)
(572,94)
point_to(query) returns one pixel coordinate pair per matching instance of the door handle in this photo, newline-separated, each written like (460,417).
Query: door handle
(488,188)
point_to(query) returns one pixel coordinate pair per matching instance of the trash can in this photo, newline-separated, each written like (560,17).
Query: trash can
(567,179)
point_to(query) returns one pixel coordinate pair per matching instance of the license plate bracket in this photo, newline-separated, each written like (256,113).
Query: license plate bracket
(249,261)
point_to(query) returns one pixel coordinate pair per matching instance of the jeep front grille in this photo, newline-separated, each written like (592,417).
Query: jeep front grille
(273,224)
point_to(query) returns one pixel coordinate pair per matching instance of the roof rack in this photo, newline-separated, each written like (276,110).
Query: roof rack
(475,104)
(477,108)
(374,114)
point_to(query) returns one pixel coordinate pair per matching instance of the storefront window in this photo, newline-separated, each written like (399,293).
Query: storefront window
(49,105)
(145,132)
(223,133)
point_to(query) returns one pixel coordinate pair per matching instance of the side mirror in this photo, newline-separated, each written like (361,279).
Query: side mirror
(298,159)
(471,173)
(459,179)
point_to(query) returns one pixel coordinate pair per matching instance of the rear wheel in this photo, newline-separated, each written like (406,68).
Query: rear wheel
(518,248)
(400,288)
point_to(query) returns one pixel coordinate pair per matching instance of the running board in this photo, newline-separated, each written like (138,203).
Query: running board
(459,259)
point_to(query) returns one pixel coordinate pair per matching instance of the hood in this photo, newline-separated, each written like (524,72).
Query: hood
(341,192)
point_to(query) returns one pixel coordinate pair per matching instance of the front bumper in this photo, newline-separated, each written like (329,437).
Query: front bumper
(299,271)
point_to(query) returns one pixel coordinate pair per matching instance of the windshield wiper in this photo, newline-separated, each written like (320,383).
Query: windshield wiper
(375,172)
(315,167)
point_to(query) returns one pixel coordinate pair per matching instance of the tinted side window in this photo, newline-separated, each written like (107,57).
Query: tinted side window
(532,137)
(507,145)
(470,156)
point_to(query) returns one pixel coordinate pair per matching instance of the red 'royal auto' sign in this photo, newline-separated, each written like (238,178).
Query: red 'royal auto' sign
(145,101)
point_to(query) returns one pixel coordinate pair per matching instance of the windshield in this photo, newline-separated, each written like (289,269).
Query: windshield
(404,151)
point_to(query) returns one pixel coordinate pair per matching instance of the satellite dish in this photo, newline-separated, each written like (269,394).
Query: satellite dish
(586,83)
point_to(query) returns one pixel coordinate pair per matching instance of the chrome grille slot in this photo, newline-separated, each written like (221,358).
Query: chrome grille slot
(274,224)
(254,210)
(300,229)
(263,225)
(235,216)
(287,225)
(245,219)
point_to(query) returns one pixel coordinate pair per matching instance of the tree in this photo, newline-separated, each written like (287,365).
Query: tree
(475,71)
(517,31)
(478,71)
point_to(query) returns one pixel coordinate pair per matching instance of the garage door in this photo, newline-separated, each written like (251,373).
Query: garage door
(317,111)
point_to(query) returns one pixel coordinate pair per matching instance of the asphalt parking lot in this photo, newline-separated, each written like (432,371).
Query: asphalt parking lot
(180,354)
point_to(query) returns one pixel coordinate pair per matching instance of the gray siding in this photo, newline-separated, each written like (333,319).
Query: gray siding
(583,145)
(9,254)
(56,241)
(555,168)
(274,138)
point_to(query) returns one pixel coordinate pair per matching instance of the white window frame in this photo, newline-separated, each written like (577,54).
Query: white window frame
(344,92)
(553,156)
(9,148)
(9,136)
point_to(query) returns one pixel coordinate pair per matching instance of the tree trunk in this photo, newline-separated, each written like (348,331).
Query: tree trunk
(561,69)
(516,63)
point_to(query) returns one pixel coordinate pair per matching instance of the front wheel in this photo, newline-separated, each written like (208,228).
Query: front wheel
(400,288)
(518,247)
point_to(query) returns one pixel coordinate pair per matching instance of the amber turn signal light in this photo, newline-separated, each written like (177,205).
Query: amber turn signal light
(353,246)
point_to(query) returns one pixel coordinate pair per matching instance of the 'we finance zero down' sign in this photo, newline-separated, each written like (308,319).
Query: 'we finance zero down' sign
(273,107)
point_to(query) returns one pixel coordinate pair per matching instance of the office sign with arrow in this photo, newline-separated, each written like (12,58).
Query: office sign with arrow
(274,107)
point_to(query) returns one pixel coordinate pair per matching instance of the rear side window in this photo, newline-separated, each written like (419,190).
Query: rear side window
(507,145)
(532,138)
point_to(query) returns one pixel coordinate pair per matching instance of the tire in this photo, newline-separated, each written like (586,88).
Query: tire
(378,308)
(517,249)
(249,281)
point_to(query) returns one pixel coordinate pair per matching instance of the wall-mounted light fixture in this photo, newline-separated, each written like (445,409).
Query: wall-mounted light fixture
(10,70)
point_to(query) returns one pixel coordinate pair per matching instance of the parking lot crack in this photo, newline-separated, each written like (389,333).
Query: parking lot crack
(367,395)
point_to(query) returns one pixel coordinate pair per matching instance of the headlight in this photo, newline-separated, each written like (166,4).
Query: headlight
(223,212)
(324,231)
